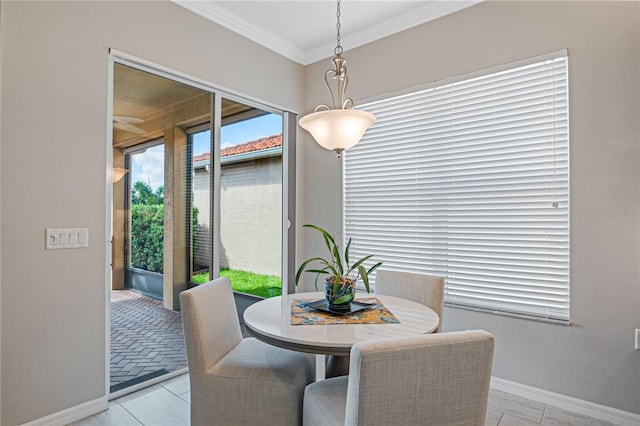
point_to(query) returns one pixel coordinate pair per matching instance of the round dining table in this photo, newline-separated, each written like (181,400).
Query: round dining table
(269,320)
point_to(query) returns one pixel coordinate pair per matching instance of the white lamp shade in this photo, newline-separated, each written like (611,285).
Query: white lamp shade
(337,129)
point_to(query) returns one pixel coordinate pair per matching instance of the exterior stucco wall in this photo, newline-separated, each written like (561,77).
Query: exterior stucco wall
(251,212)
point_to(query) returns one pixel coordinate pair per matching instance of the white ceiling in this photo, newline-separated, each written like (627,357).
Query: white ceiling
(305,30)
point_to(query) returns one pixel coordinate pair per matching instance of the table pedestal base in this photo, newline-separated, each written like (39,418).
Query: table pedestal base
(337,365)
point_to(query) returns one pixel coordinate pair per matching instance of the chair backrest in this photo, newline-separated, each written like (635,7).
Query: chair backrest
(437,379)
(210,322)
(424,289)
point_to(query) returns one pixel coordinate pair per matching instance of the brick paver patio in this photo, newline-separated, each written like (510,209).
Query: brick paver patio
(145,337)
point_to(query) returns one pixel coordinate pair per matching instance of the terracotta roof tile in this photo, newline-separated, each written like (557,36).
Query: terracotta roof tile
(202,157)
(257,145)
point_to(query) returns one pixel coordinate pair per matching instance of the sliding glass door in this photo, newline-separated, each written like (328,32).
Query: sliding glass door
(225,184)
(249,154)
(203,186)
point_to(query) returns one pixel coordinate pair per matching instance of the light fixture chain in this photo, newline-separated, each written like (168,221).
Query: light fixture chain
(338,127)
(338,50)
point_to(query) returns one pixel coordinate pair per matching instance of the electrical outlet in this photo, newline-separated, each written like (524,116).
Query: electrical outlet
(637,338)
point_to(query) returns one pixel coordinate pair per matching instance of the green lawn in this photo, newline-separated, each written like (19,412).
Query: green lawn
(246,282)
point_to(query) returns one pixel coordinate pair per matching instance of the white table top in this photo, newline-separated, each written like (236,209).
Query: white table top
(270,320)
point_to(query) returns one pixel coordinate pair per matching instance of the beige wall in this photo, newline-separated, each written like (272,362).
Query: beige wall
(54,109)
(54,118)
(594,358)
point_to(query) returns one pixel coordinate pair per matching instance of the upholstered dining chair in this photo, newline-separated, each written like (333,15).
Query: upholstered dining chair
(433,379)
(236,381)
(425,289)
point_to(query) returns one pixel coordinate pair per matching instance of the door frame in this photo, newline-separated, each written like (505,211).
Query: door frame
(152,279)
(288,182)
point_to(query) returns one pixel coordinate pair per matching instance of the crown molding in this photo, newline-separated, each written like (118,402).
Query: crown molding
(433,10)
(222,16)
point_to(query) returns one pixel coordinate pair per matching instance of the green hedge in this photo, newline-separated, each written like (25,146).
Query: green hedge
(147,237)
(147,227)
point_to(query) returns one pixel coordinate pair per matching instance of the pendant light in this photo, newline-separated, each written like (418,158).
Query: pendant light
(340,127)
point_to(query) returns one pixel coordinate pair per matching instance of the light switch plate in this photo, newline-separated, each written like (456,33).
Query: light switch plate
(637,338)
(66,238)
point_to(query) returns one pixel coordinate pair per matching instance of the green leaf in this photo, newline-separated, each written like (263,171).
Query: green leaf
(361,261)
(346,253)
(374,267)
(305,263)
(336,256)
(336,283)
(365,277)
(328,238)
(335,266)
(331,246)
(318,271)
(343,299)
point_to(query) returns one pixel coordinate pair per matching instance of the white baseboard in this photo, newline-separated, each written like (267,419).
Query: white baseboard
(579,406)
(72,414)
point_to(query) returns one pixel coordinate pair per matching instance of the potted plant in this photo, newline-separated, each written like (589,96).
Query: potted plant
(342,276)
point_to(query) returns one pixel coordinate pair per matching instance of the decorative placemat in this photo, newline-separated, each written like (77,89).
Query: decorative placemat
(376,314)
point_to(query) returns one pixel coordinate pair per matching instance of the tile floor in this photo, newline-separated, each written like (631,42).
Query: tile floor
(167,404)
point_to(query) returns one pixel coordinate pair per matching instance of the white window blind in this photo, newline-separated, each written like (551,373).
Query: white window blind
(470,180)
